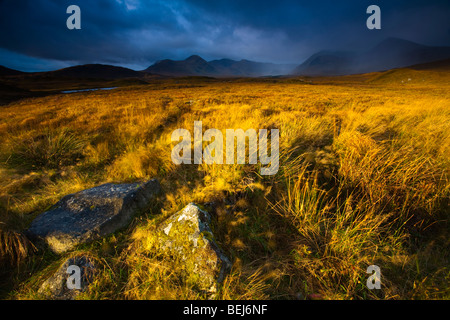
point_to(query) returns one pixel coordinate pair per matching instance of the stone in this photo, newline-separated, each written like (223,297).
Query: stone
(90,214)
(56,288)
(187,237)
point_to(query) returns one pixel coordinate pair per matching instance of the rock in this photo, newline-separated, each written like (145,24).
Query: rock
(90,214)
(56,286)
(187,237)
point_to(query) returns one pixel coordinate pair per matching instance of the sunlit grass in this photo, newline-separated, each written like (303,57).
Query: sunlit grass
(363,180)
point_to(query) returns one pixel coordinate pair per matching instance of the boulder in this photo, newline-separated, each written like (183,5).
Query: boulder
(187,237)
(90,214)
(56,288)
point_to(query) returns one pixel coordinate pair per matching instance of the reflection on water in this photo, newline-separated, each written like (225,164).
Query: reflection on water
(82,90)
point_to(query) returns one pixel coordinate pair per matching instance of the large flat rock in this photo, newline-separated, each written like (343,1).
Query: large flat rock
(90,214)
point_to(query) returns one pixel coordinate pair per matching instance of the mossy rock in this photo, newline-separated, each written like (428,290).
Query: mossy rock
(187,237)
(56,287)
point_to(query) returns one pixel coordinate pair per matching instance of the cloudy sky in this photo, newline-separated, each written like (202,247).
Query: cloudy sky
(136,33)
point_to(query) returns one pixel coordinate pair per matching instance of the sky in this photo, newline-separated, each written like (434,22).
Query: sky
(137,33)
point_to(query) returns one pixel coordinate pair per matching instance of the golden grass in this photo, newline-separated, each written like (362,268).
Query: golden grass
(363,180)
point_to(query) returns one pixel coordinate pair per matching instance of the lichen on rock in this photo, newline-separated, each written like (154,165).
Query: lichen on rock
(55,287)
(87,215)
(187,237)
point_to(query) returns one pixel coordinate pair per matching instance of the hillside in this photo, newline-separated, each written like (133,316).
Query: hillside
(436,73)
(440,66)
(98,71)
(9,72)
(9,93)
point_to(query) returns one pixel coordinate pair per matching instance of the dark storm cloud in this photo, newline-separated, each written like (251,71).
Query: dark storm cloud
(38,28)
(137,32)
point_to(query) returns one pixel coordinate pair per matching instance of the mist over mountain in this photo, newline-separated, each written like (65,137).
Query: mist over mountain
(197,66)
(390,53)
(326,63)
(194,65)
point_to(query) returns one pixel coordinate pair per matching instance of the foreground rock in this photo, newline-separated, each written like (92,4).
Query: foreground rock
(187,237)
(90,214)
(56,286)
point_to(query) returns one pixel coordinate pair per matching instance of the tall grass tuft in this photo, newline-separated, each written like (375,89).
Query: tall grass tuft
(51,149)
(395,178)
(337,239)
(14,247)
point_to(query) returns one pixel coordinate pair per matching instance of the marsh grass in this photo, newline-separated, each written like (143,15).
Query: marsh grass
(14,248)
(363,180)
(51,149)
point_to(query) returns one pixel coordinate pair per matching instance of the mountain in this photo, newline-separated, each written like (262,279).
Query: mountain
(326,63)
(398,53)
(192,66)
(390,53)
(197,66)
(98,71)
(4,71)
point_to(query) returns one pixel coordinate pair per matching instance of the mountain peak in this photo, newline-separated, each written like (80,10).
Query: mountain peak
(195,58)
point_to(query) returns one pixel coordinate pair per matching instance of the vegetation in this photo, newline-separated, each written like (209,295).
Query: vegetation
(363,180)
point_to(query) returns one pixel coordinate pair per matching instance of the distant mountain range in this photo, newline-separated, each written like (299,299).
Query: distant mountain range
(389,54)
(197,66)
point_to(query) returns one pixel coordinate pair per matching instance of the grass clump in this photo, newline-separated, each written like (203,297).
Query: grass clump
(50,150)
